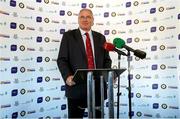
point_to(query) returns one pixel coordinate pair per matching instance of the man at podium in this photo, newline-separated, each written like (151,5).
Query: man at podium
(82,48)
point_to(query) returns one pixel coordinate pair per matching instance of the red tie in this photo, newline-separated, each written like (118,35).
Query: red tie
(89,52)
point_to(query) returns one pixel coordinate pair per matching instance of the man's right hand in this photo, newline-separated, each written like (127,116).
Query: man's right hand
(69,81)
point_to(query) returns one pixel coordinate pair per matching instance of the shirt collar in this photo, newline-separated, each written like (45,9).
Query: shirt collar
(83,32)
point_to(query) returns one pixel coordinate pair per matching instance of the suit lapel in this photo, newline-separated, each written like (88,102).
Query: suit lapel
(96,43)
(79,39)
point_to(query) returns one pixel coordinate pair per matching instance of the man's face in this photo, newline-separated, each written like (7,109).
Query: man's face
(85,20)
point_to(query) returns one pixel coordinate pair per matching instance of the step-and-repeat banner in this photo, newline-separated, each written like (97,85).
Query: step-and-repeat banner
(31,85)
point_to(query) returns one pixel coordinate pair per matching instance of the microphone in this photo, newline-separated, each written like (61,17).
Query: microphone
(111,47)
(120,43)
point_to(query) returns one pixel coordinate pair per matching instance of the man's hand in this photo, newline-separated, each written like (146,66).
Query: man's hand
(69,81)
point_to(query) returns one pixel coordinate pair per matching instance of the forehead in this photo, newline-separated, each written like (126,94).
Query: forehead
(85,12)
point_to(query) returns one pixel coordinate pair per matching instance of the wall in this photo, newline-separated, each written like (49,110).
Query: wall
(30,34)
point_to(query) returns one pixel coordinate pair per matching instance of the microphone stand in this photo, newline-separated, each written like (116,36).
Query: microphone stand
(129,85)
(118,93)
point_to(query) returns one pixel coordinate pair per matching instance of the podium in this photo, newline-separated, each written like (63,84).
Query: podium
(87,76)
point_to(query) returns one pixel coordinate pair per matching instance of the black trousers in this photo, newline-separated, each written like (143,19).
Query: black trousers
(76,108)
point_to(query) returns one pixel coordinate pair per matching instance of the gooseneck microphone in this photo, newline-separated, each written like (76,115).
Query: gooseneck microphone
(120,43)
(111,47)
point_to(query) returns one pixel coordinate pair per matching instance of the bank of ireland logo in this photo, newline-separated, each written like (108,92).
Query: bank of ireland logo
(136,39)
(136,3)
(162,47)
(163,66)
(21,26)
(138,95)
(114,32)
(113,14)
(23,113)
(47,78)
(69,13)
(136,21)
(22,69)
(47,99)
(161,28)
(91,5)
(46,1)
(21,5)
(46,20)
(139,114)
(163,86)
(161,9)
(47,59)
(164,106)
(22,48)
(138,76)
(23,91)
(46,39)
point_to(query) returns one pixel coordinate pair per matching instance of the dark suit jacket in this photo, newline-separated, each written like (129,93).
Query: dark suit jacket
(72,56)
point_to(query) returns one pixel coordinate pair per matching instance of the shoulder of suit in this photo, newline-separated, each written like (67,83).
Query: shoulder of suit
(71,30)
(97,33)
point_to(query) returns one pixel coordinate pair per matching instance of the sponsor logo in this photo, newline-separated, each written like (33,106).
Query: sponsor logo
(128,4)
(38,0)
(106,32)
(152,10)
(155,105)
(129,40)
(128,22)
(83,5)
(154,86)
(14,92)
(13,3)
(106,14)
(62,12)
(63,88)
(63,106)
(39,59)
(153,29)
(62,31)
(14,70)
(14,115)
(38,19)
(21,5)
(154,67)
(39,99)
(13,25)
